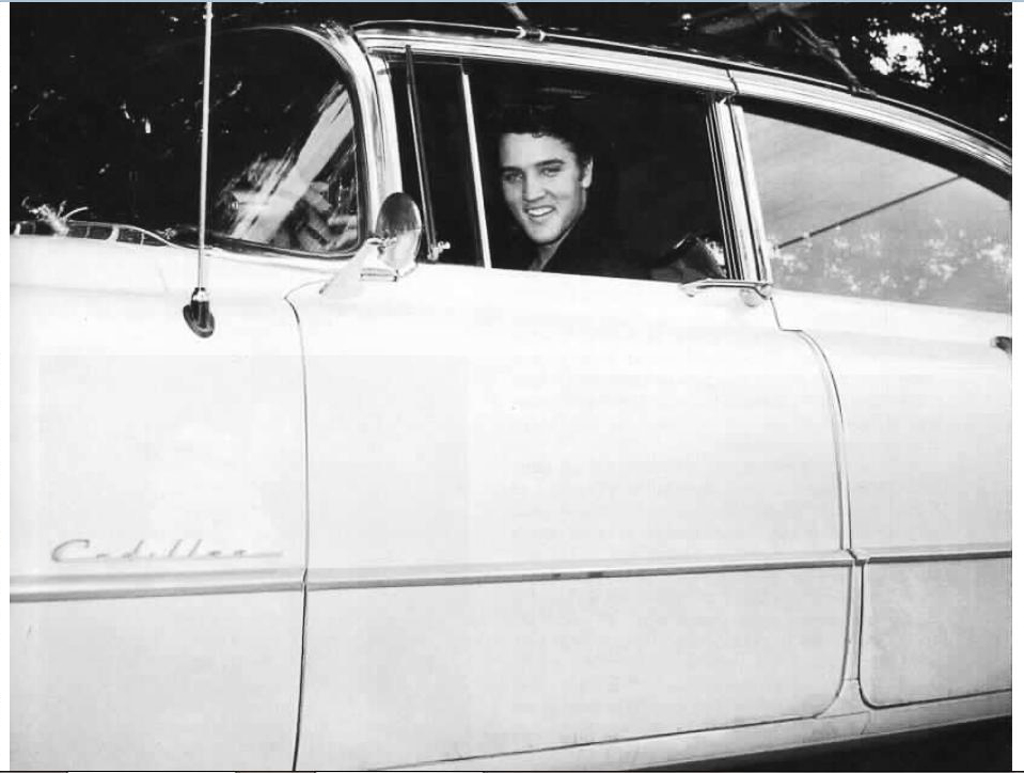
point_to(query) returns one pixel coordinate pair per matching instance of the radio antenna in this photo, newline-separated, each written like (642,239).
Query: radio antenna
(197,313)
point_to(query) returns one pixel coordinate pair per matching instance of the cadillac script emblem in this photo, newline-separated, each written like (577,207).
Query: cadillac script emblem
(81,550)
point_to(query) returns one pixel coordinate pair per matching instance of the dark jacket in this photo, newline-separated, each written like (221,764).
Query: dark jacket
(588,249)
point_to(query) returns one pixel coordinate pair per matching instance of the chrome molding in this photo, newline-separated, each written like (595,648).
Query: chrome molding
(901,555)
(907,121)
(390,155)
(474,159)
(723,189)
(81,587)
(734,190)
(549,54)
(838,439)
(546,571)
(121,586)
(759,248)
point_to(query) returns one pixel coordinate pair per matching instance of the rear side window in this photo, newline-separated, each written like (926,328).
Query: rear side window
(858,212)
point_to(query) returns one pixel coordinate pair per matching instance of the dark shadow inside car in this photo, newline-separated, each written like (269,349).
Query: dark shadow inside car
(654,191)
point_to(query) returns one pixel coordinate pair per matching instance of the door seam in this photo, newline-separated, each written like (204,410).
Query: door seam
(305,557)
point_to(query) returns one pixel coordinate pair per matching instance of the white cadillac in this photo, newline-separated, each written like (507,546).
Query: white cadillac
(384,497)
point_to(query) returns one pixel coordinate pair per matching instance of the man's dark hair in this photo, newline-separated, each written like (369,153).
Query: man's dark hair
(549,119)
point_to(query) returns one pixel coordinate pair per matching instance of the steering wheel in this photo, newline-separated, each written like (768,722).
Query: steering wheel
(690,259)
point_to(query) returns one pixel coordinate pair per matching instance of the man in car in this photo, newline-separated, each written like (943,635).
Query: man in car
(547,169)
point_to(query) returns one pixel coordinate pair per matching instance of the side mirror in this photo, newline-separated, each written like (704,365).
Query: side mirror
(400,229)
(389,254)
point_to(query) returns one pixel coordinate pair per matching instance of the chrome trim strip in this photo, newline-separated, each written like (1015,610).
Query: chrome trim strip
(481,34)
(762,263)
(725,188)
(900,555)
(389,160)
(733,169)
(706,71)
(838,439)
(29,588)
(551,54)
(433,248)
(882,114)
(474,158)
(545,571)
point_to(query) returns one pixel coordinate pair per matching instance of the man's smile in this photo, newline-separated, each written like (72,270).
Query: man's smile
(539,212)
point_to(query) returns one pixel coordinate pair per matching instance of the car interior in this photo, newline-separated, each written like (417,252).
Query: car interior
(654,184)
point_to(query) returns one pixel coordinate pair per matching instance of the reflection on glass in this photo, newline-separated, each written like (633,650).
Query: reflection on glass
(304,199)
(847,217)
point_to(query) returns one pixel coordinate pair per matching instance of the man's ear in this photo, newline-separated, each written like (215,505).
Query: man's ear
(587,176)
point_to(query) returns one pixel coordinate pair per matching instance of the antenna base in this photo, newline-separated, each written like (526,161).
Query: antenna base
(197,314)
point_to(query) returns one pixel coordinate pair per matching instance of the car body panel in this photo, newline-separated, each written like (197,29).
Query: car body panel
(151,463)
(702,749)
(925,373)
(935,630)
(481,388)
(156,683)
(531,665)
(931,375)
(533,427)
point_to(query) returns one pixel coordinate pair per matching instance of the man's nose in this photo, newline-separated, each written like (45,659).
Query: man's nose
(532,188)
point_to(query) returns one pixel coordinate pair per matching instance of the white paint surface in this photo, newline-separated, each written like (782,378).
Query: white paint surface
(129,434)
(463,415)
(404,675)
(926,414)
(935,630)
(127,427)
(200,682)
(469,417)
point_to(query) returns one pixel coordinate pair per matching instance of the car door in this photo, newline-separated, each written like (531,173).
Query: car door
(889,246)
(550,509)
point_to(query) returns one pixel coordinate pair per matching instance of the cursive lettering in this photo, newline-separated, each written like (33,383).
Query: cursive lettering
(81,550)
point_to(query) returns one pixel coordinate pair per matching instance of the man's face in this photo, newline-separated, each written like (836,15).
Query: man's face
(543,184)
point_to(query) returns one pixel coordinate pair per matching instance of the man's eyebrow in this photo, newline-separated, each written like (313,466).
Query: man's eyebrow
(545,162)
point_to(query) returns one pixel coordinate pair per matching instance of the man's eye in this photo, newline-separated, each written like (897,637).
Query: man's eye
(511,177)
(550,171)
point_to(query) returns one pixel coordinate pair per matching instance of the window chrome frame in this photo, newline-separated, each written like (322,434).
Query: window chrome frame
(747,251)
(550,53)
(733,207)
(779,89)
(760,249)
(474,158)
(389,158)
(714,82)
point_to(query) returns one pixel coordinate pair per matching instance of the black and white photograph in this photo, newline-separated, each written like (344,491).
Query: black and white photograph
(495,386)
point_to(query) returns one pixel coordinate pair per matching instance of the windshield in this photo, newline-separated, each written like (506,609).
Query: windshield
(283,156)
